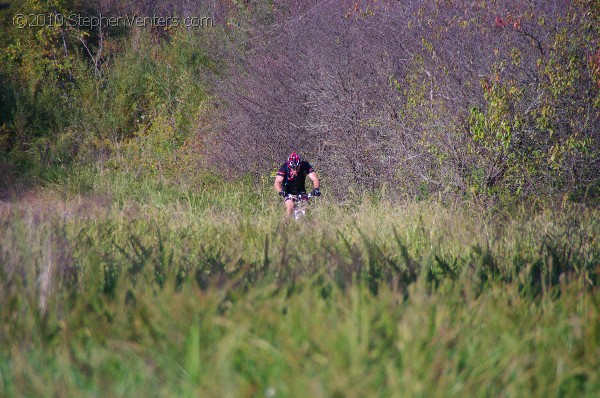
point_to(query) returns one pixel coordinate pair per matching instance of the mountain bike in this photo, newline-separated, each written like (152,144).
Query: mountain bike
(300,204)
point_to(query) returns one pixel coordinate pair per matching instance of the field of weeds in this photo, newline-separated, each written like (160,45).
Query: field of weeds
(216,295)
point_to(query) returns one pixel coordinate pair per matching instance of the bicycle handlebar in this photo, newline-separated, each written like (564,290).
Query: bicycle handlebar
(302,196)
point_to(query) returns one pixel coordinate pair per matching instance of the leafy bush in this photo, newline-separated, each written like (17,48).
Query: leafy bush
(83,96)
(487,100)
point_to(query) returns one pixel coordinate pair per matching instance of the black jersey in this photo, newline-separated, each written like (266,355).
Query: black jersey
(293,183)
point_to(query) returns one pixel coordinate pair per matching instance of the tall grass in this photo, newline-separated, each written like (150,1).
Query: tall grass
(212,293)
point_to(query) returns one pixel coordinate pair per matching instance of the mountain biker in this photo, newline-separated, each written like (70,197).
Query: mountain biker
(290,180)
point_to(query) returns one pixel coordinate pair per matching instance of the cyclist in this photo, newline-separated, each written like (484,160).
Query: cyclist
(290,180)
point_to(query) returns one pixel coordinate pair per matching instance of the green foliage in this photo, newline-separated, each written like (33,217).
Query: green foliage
(507,113)
(217,296)
(541,139)
(74,97)
(39,69)
(145,105)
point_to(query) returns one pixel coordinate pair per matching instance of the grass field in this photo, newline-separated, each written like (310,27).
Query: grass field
(151,291)
(144,251)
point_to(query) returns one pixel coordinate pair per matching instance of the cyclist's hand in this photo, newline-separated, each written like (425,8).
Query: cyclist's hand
(282,193)
(316,192)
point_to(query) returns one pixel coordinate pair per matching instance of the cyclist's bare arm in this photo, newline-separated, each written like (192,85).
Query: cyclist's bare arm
(315,180)
(278,183)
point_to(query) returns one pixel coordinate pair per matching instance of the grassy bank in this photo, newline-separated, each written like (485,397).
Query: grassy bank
(210,293)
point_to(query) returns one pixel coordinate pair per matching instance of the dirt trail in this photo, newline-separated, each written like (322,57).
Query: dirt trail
(15,195)
(47,202)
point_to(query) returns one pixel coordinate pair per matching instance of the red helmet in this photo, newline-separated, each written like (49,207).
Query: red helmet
(294,161)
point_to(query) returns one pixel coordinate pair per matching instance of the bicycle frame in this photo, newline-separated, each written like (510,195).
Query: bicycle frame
(300,205)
